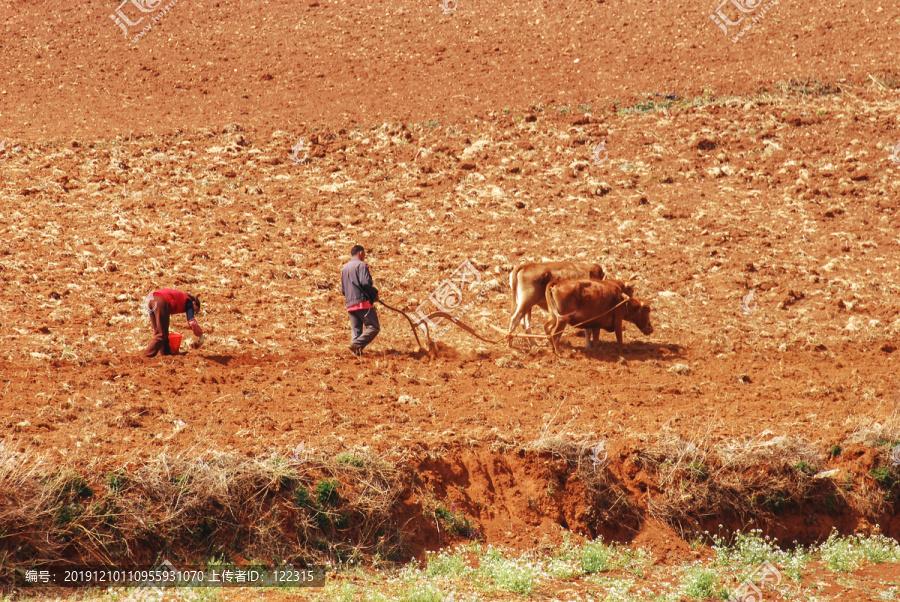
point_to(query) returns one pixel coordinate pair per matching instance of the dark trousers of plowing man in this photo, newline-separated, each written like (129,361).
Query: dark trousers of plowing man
(364,327)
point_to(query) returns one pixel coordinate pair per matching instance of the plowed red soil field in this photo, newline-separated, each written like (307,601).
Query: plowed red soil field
(437,139)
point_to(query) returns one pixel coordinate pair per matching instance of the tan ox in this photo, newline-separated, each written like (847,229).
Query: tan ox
(529,281)
(592,305)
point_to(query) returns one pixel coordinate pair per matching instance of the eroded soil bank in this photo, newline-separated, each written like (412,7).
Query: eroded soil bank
(354,506)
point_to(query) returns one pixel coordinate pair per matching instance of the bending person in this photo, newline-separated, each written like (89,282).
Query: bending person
(162,305)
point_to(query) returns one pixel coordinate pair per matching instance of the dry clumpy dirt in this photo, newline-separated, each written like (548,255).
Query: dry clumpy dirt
(435,139)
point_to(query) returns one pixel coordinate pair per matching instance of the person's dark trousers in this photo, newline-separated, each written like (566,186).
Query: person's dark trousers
(159,320)
(367,318)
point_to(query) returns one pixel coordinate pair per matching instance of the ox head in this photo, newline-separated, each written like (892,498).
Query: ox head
(638,313)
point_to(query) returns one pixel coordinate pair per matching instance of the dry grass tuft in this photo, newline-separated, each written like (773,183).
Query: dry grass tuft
(312,509)
(755,481)
(870,432)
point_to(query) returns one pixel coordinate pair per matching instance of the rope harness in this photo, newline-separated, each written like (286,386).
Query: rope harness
(625,299)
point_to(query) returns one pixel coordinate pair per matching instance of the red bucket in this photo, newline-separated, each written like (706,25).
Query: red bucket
(174,341)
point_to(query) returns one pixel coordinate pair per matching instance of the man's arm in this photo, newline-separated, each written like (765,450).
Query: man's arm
(366,284)
(192,321)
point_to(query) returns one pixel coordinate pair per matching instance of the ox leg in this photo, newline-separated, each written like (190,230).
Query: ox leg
(552,329)
(514,323)
(527,322)
(595,338)
(587,340)
(522,315)
(618,324)
(549,327)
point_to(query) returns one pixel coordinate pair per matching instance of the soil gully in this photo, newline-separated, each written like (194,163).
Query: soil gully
(338,506)
(519,498)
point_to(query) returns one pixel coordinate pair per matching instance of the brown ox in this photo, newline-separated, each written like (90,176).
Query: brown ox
(529,281)
(592,305)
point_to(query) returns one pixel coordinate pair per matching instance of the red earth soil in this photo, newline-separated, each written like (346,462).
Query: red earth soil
(70,70)
(133,166)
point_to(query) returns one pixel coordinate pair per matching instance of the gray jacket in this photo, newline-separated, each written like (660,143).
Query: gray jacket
(356,283)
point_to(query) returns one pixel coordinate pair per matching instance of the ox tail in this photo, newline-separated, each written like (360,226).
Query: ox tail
(553,306)
(513,285)
(555,317)
(551,302)
(553,310)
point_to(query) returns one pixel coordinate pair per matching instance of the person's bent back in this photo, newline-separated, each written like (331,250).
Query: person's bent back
(161,305)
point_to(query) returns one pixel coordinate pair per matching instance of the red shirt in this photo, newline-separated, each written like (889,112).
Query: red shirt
(175,298)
